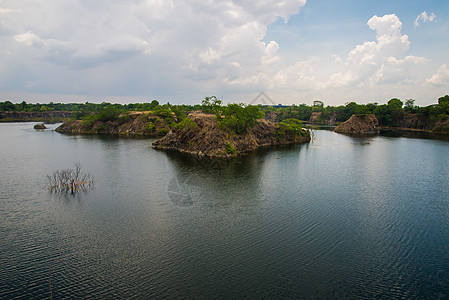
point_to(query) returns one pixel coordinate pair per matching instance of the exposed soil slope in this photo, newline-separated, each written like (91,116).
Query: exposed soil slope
(359,124)
(205,138)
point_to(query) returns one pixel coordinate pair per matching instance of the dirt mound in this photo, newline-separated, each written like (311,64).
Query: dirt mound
(359,124)
(200,134)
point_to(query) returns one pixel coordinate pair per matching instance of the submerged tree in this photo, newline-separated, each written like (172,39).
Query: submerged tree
(70,180)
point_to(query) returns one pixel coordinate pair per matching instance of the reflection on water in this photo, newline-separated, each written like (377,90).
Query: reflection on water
(414,134)
(342,217)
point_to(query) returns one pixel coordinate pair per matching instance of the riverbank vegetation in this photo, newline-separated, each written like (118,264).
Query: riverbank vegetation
(237,117)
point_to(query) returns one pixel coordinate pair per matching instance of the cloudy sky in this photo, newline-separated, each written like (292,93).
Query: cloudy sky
(296,51)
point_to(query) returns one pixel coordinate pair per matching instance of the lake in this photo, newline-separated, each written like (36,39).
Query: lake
(341,217)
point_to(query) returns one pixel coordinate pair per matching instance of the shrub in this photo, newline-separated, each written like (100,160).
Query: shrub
(144,117)
(150,127)
(124,119)
(289,127)
(88,121)
(186,123)
(164,113)
(230,148)
(104,129)
(162,131)
(108,114)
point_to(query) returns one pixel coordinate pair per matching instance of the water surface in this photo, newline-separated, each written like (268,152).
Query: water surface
(341,217)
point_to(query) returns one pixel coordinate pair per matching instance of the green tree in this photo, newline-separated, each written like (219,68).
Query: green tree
(362,110)
(395,103)
(238,117)
(410,106)
(7,106)
(211,104)
(109,113)
(443,100)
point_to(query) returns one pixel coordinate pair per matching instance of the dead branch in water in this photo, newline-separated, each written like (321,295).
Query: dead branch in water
(70,180)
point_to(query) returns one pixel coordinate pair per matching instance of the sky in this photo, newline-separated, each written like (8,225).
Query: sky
(296,51)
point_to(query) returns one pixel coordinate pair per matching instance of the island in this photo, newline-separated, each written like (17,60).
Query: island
(359,124)
(155,123)
(210,135)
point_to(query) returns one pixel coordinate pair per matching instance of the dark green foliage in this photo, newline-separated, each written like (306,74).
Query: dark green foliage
(410,106)
(211,105)
(443,101)
(289,128)
(384,115)
(301,112)
(238,117)
(230,149)
(180,112)
(109,113)
(163,131)
(395,103)
(105,128)
(362,110)
(186,124)
(124,119)
(144,117)
(165,113)
(88,122)
(7,106)
(390,114)
(150,127)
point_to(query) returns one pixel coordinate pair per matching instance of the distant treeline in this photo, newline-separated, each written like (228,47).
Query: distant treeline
(394,113)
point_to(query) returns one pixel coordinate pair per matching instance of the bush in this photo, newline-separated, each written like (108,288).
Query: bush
(289,127)
(144,117)
(230,148)
(186,123)
(162,131)
(164,113)
(108,114)
(124,119)
(88,121)
(104,129)
(150,127)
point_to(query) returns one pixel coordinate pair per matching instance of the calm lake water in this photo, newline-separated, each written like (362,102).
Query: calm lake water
(340,217)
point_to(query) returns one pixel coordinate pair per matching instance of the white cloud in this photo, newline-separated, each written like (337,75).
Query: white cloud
(164,43)
(270,50)
(382,61)
(390,41)
(368,68)
(399,71)
(194,47)
(441,77)
(341,79)
(424,17)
